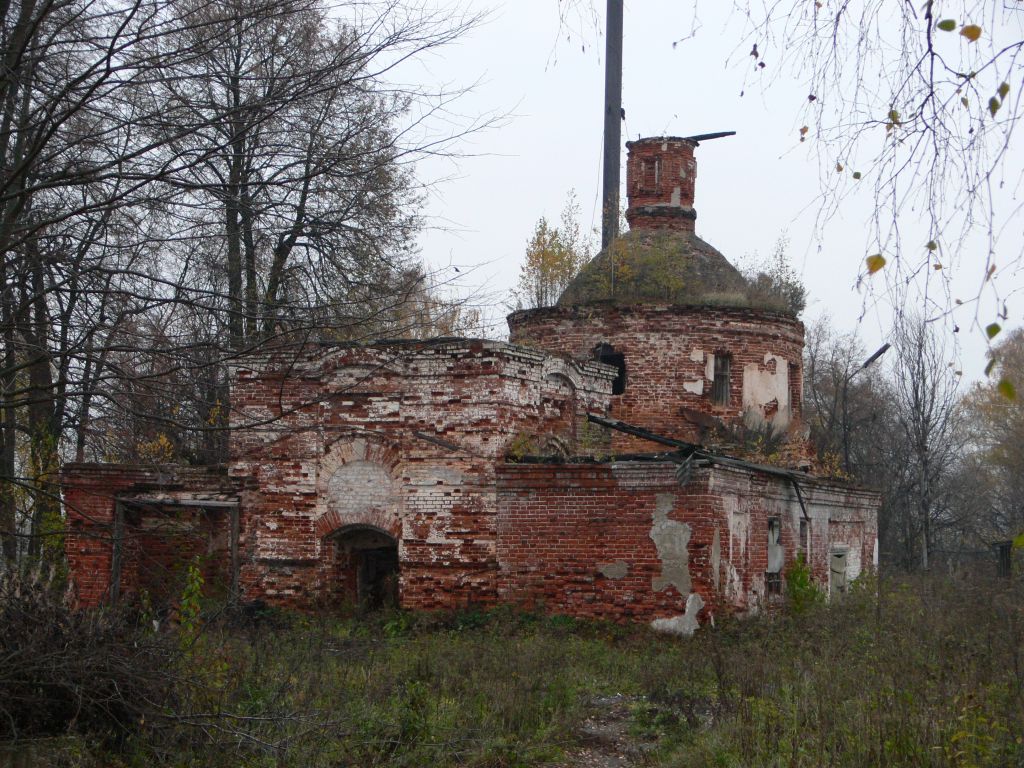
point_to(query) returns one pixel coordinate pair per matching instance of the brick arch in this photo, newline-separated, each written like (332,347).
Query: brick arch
(559,371)
(358,485)
(360,447)
(356,527)
(560,380)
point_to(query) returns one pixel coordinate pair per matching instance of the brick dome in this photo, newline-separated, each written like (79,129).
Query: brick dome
(657,267)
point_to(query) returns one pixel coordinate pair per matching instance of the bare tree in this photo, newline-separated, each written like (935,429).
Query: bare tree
(995,425)
(916,103)
(65,154)
(895,425)
(180,183)
(300,178)
(842,399)
(927,402)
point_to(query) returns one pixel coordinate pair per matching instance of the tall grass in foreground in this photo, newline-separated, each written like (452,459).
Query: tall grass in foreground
(931,675)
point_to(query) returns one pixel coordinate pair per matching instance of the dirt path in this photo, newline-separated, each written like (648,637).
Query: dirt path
(605,736)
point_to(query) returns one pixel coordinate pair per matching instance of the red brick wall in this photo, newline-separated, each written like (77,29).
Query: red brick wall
(89,492)
(427,422)
(560,526)
(577,539)
(161,543)
(156,543)
(661,346)
(411,442)
(660,178)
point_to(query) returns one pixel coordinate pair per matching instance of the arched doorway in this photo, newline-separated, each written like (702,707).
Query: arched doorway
(366,566)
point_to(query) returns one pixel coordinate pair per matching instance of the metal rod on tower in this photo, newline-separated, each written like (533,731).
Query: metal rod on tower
(612,123)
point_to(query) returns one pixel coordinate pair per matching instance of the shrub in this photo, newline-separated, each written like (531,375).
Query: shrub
(67,670)
(801,591)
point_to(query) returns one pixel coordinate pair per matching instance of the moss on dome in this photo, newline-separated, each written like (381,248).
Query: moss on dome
(667,267)
(657,268)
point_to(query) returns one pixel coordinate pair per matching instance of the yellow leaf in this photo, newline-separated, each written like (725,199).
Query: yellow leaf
(971,31)
(1006,389)
(1004,90)
(875,263)
(947,25)
(932,245)
(894,117)
(992,329)
(993,105)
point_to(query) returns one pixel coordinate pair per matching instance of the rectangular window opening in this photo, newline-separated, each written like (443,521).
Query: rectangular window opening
(775,554)
(720,386)
(1004,561)
(837,571)
(795,387)
(650,174)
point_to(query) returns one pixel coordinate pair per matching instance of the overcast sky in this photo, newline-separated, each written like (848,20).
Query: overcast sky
(752,189)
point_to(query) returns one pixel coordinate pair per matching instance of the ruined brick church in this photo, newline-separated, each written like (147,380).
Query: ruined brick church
(597,464)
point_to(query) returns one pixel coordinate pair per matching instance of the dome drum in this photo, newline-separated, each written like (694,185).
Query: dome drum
(678,362)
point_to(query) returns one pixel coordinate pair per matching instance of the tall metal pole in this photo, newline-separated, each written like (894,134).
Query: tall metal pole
(612,122)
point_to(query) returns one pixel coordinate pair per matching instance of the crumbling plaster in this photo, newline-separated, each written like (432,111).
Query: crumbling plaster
(766,392)
(685,624)
(836,514)
(617,570)
(672,540)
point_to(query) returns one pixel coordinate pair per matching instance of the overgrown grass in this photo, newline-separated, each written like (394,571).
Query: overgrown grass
(932,675)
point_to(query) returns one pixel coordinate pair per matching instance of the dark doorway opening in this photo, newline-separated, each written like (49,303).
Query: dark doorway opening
(366,561)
